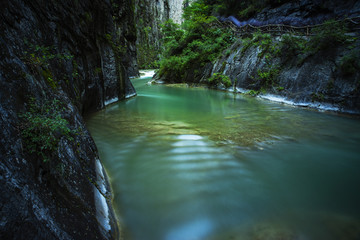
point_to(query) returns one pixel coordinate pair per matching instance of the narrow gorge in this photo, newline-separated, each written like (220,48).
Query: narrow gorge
(221,139)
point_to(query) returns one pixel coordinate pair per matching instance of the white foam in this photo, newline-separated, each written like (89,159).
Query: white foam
(147,73)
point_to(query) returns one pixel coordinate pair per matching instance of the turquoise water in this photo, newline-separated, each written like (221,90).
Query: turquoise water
(192,163)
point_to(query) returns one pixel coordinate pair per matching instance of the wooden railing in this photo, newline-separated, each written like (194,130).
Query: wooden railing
(353,25)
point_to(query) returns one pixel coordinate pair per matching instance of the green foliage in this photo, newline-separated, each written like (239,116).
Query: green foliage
(97,71)
(243,9)
(327,36)
(147,56)
(39,59)
(218,79)
(268,46)
(292,46)
(269,49)
(47,74)
(350,63)
(193,44)
(317,97)
(43,127)
(248,12)
(118,49)
(269,76)
(253,93)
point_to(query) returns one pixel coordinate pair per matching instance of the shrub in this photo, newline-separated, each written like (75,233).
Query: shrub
(193,46)
(253,93)
(43,127)
(269,76)
(327,36)
(317,97)
(292,46)
(350,63)
(218,79)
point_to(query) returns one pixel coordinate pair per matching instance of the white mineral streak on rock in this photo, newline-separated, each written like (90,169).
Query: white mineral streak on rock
(110,101)
(102,208)
(280,99)
(176,10)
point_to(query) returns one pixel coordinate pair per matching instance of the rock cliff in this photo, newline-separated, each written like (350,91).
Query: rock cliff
(318,69)
(59,60)
(149,16)
(323,80)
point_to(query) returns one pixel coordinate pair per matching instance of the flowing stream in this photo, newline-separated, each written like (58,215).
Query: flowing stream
(193,163)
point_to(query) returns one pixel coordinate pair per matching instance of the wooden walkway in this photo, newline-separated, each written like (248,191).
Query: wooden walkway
(353,25)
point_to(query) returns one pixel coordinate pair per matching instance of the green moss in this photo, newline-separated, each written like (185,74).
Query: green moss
(119,50)
(280,89)
(253,93)
(317,97)
(88,17)
(39,57)
(97,71)
(223,66)
(48,77)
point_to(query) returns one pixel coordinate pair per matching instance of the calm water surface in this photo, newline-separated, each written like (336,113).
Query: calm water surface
(191,163)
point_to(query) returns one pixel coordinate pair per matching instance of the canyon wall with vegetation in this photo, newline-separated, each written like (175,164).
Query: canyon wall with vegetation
(150,15)
(59,61)
(318,67)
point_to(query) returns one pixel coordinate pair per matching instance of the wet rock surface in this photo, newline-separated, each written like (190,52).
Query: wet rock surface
(318,81)
(68,51)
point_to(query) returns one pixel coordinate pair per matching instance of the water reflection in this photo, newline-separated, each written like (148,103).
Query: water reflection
(189,163)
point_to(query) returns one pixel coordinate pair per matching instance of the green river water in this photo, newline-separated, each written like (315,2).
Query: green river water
(193,163)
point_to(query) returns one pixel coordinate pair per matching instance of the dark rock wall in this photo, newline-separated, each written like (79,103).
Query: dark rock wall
(124,17)
(309,12)
(79,53)
(317,81)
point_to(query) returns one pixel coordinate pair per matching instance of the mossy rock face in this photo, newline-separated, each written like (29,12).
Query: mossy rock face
(58,51)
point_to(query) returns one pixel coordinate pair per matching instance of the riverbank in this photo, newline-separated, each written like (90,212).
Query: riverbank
(266,96)
(317,68)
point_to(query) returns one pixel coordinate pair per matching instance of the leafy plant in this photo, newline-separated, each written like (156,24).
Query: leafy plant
(350,63)
(292,46)
(218,79)
(252,93)
(39,57)
(269,76)
(317,97)
(43,127)
(328,35)
(192,45)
